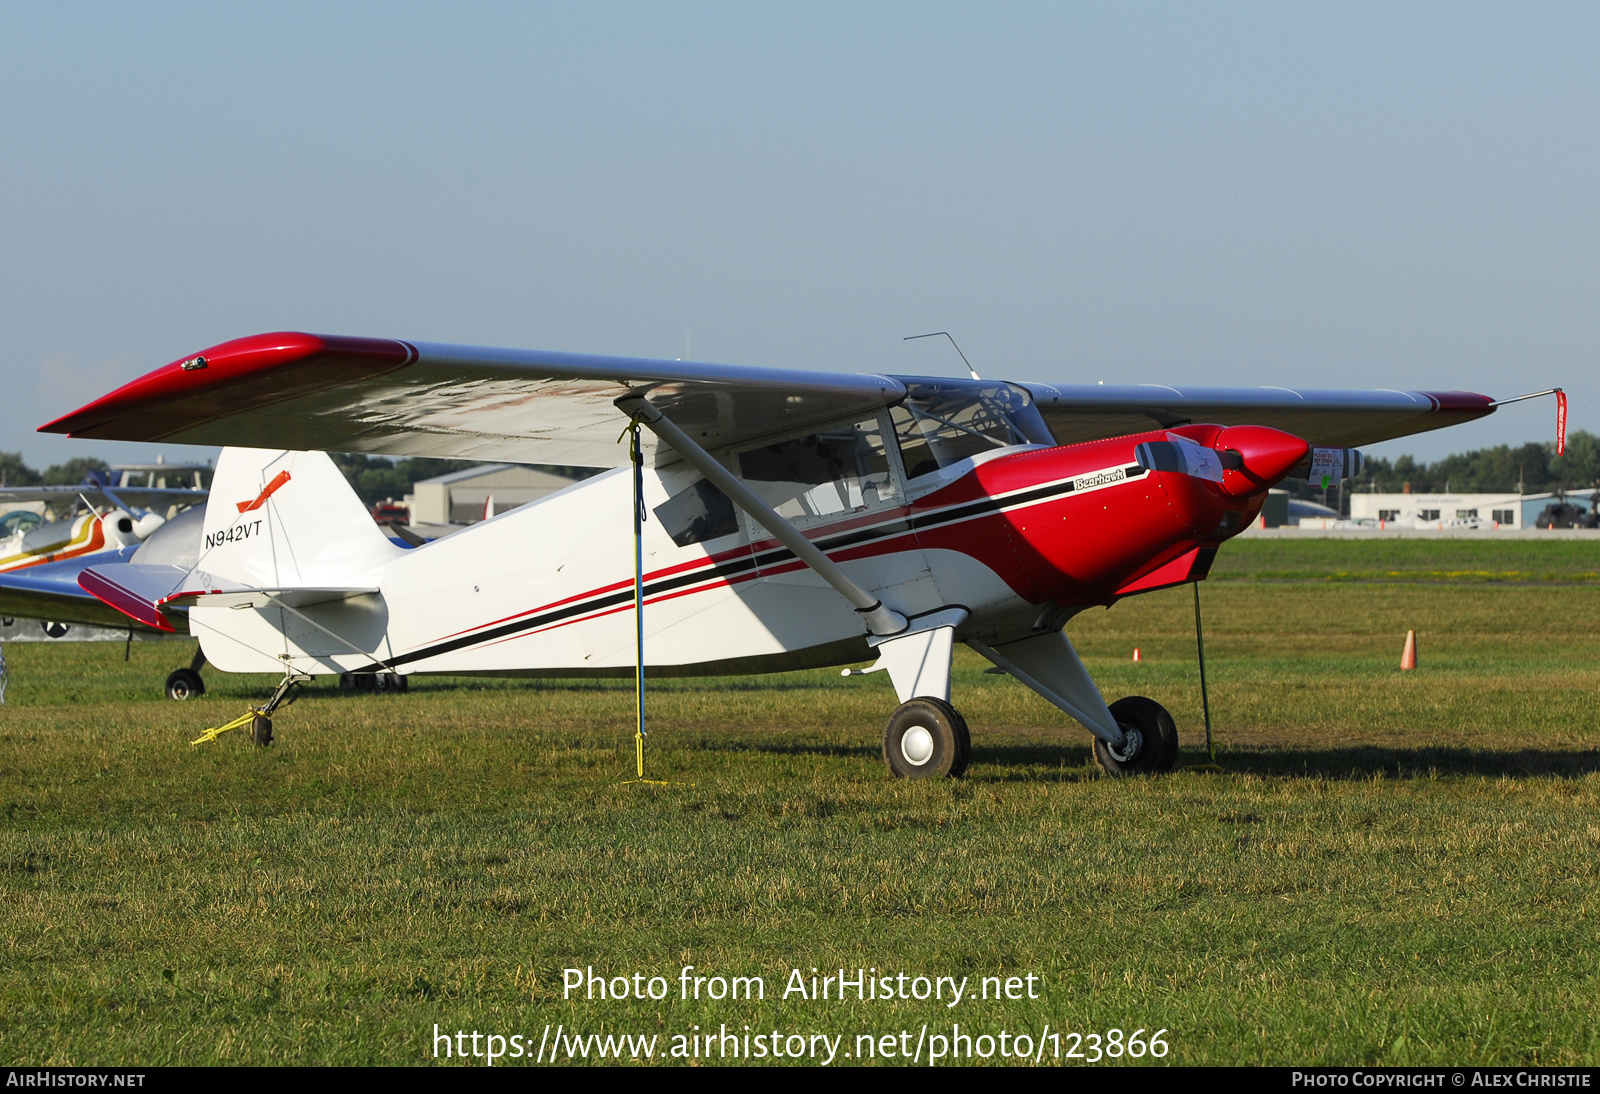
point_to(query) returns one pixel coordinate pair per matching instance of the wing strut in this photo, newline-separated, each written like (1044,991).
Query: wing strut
(880,620)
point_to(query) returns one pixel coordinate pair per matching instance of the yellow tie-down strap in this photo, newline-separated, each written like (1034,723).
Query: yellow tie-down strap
(238,723)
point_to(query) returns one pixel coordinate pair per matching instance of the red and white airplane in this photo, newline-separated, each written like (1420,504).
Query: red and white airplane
(791,519)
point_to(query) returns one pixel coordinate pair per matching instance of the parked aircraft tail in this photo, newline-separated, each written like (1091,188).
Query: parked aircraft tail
(280,519)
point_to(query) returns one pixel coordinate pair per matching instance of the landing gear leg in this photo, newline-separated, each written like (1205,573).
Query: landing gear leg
(1150,744)
(926,738)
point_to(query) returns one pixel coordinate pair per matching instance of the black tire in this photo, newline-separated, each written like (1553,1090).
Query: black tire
(939,743)
(261,730)
(388,681)
(185,684)
(1152,732)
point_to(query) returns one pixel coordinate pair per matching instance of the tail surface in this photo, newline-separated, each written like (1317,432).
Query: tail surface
(278,519)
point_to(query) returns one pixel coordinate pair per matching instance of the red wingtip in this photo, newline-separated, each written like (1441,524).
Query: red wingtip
(1469,402)
(192,388)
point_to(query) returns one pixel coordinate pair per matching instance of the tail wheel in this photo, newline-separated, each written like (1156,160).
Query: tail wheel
(261,730)
(926,738)
(1151,744)
(185,684)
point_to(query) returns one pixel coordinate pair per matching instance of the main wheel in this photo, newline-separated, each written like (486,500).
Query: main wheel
(1152,739)
(261,730)
(926,738)
(185,684)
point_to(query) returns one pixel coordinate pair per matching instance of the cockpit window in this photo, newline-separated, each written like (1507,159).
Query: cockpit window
(834,472)
(938,425)
(19,520)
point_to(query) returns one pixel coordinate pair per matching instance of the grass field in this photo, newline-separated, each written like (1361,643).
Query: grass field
(1392,868)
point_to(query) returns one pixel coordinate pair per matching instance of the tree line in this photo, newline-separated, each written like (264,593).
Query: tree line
(1500,469)
(14,471)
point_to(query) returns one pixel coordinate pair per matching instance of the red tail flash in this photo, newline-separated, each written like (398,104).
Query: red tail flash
(261,499)
(1561,422)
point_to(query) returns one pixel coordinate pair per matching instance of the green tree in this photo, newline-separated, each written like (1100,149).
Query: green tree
(1579,469)
(72,472)
(14,472)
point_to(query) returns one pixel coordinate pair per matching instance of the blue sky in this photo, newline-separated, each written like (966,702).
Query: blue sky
(1316,195)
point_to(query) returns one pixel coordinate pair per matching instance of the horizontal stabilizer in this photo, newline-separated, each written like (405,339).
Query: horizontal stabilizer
(268,598)
(141,592)
(138,592)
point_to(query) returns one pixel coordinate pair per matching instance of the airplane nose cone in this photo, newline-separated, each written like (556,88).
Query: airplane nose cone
(1257,457)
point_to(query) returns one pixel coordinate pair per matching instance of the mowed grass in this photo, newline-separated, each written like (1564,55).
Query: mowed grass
(1392,867)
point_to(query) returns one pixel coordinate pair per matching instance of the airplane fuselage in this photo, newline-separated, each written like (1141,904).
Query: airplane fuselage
(1020,537)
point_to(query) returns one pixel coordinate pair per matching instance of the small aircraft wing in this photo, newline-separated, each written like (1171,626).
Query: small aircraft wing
(1335,419)
(388,397)
(134,499)
(51,591)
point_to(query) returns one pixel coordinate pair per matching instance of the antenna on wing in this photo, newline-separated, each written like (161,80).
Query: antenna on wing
(937,333)
(1561,413)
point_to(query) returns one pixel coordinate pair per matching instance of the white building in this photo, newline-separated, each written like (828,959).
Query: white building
(467,496)
(1439,510)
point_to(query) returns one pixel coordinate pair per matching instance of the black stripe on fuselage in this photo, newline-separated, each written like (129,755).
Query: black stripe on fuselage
(734,567)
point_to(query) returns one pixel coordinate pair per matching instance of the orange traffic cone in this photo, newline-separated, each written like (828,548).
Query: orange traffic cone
(1136,654)
(1408,656)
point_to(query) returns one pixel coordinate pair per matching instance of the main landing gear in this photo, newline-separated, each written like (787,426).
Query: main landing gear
(186,683)
(1150,739)
(926,738)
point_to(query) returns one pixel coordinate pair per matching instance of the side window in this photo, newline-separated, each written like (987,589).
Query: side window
(915,451)
(831,473)
(697,513)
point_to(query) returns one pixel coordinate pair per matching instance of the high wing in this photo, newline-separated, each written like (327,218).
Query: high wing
(385,397)
(1335,419)
(388,397)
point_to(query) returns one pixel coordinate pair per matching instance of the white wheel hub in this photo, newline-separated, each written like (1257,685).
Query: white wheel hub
(916,745)
(1132,742)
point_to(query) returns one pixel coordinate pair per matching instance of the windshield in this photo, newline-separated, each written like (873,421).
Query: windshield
(940,424)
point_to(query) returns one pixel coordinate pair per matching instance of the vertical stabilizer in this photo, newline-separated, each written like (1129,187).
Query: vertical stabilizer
(279,519)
